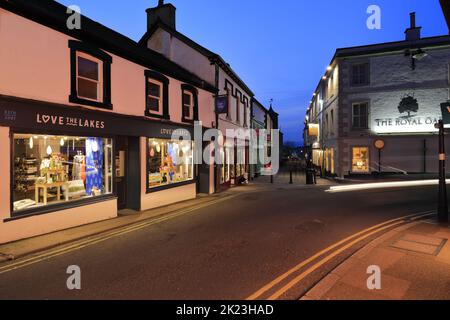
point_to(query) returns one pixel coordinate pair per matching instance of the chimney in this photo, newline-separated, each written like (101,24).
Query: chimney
(413,32)
(163,12)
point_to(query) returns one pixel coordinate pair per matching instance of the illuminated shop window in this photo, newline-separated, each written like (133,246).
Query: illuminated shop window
(52,169)
(360,160)
(332,161)
(169,162)
(226,160)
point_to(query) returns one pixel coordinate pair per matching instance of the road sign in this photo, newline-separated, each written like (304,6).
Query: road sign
(379,144)
(445,108)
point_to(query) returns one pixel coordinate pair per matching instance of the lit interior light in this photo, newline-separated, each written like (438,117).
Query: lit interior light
(61,142)
(31,143)
(95,146)
(49,150)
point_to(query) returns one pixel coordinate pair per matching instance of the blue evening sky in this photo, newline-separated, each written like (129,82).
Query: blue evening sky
(279,48)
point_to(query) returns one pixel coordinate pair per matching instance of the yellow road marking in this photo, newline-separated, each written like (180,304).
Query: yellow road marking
(303,275)
(279,279)
(103,237)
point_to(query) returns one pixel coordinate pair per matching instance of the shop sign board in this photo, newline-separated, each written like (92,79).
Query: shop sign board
(29,115)
(221,104)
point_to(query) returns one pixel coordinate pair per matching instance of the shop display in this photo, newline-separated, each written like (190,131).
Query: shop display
(169,162)
(360,162)
(25,173)
(52,169)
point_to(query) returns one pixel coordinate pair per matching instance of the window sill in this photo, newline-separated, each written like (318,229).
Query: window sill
(78,100)
(170,186)
(189,121)
(157,116)
(58,207)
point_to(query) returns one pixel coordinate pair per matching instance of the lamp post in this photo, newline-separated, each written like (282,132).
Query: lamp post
(443,204)
(379,145)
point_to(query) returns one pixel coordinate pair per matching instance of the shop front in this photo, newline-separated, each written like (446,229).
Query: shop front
(171,173)
(64,166)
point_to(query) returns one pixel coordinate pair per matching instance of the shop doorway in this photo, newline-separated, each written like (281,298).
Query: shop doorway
(203,170)
(127,175)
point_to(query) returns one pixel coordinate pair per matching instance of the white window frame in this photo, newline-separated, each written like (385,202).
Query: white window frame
(99,82)
(191,106)
(160,98)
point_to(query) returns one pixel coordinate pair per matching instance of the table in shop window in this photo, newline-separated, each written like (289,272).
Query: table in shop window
(46,186)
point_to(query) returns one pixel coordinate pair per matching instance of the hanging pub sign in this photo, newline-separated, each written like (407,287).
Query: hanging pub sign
(221,104)
(445,108)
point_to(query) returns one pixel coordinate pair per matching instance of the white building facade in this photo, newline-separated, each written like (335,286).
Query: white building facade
(375,108)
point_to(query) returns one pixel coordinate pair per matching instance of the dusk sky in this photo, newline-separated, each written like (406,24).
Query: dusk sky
(279,48)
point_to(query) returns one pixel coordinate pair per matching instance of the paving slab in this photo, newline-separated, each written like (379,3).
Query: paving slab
(412,272)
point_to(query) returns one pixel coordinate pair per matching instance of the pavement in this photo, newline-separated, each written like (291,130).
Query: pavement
(21,248)
(414,261)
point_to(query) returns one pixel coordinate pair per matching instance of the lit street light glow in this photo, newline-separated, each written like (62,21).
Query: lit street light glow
(383,185)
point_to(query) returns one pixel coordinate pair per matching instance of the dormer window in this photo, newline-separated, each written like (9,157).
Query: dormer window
(90,75)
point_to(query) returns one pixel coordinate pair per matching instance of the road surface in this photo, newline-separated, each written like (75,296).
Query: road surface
(224,251)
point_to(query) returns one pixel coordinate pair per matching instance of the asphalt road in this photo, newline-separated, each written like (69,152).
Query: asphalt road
(226,251)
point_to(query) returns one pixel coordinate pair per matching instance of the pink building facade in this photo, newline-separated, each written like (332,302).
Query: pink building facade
(87,123)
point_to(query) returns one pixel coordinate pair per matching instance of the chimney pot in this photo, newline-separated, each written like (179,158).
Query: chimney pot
(164,12)
(413,32)
(412,17)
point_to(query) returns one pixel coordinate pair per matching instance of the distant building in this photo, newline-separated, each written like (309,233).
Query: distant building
(263,119)
(387,93)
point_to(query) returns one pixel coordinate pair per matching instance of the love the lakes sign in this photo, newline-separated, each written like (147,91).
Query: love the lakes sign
(69,121)
(27,115)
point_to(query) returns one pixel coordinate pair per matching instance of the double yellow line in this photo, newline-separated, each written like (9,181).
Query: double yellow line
(349,242)
(104,236)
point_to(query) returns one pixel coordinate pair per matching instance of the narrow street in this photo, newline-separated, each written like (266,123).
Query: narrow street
(224,251)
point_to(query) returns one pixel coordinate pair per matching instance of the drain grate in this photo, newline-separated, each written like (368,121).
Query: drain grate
(420,244)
